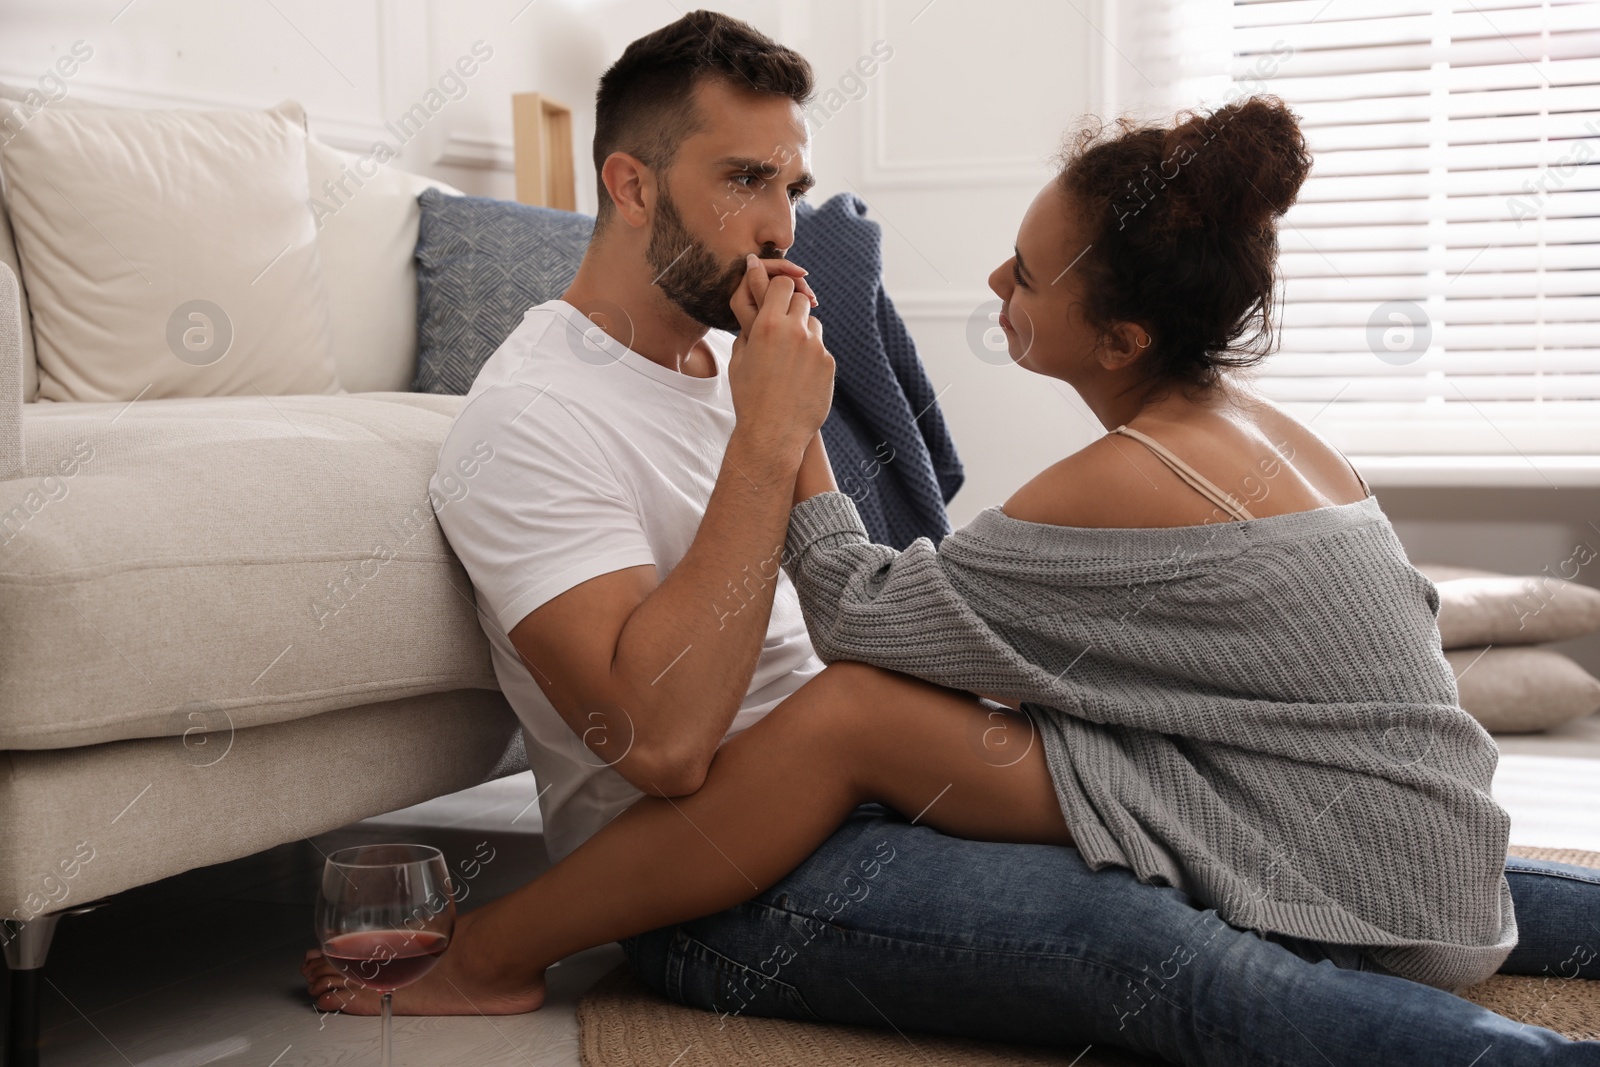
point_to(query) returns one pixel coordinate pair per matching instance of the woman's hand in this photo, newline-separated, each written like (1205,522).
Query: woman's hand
(746,299)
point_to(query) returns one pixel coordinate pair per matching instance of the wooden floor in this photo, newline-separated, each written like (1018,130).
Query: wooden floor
(203,968)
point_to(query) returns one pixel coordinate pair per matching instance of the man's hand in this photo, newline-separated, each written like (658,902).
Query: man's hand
(780,373)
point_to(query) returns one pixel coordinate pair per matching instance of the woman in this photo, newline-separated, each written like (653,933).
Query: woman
(1206,656)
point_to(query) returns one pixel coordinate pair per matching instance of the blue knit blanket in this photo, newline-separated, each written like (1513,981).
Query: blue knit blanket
(887,440)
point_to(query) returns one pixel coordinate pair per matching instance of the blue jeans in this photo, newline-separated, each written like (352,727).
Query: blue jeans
(890,924)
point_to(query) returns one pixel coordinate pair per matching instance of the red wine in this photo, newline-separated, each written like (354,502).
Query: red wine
(385,959)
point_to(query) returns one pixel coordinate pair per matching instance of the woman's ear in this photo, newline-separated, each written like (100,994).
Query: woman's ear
(631,185)
(1125,343)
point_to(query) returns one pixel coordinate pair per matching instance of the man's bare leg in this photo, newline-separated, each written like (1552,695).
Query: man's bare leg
(774,793)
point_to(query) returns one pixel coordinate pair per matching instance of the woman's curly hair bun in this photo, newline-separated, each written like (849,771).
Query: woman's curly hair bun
(1180,221)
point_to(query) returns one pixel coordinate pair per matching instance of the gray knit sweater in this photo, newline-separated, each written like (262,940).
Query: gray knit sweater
(1257,713)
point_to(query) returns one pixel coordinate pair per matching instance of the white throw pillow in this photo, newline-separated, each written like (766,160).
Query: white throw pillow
(8,256)
(367,218)
(169,253)
(17,104)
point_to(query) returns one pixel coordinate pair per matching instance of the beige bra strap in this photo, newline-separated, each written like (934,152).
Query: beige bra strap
(1194,478)
(1365,488)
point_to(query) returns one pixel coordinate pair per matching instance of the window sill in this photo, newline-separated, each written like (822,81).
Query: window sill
(1480,472)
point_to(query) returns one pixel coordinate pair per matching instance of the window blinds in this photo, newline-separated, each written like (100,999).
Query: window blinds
(1441,269)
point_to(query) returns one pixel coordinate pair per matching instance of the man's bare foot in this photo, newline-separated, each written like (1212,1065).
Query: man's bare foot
(453,987)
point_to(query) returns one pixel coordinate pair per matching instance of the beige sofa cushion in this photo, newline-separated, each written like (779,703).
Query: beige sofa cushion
(275,557)
(1519,690)
(1484,608)
(169,253)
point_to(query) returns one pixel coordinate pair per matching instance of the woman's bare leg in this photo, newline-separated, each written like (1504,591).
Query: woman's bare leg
(773,794)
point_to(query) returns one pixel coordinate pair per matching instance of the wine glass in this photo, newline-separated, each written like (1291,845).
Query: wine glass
(385,914)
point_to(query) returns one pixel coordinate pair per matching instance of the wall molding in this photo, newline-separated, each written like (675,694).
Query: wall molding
(879,171)
(937,304)
(478,153)
(340,131)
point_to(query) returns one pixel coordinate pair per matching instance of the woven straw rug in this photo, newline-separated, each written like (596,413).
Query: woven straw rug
(624,1024)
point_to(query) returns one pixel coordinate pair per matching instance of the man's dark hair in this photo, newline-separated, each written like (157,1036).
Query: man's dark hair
(645,105)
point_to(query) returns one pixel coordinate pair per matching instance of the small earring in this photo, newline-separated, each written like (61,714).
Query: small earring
(1146,342)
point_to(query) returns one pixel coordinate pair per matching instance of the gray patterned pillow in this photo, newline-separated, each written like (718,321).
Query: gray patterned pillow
(481,263)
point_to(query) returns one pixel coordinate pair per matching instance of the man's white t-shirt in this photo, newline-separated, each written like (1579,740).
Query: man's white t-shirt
(574,456)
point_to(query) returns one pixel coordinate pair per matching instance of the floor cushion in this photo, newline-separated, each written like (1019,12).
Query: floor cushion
(1522,690)
(1484,608)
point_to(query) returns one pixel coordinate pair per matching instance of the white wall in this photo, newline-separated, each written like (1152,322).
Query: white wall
(950,143)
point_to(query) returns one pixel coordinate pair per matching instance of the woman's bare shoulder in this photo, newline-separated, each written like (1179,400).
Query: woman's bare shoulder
(1251,451)
(1112,482)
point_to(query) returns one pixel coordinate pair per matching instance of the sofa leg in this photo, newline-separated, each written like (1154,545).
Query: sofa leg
(22,1020)
(26,944)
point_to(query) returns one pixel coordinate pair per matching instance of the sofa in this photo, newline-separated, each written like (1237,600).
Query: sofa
(227,621)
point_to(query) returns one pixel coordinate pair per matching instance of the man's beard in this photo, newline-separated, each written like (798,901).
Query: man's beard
(688,271)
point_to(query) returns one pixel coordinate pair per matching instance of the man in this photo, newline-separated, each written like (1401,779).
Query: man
(622,460)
